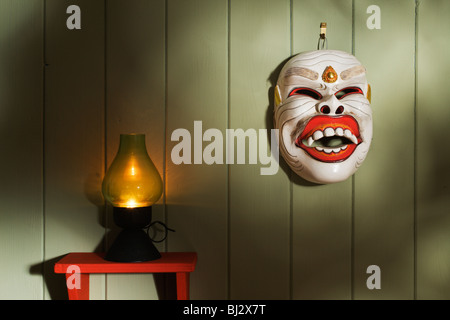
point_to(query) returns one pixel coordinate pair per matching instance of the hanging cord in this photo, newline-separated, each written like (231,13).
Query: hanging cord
(323,43)
(166,230)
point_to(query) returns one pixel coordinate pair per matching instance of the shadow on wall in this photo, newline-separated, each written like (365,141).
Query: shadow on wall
(433,173)
(20,140)
(55,283)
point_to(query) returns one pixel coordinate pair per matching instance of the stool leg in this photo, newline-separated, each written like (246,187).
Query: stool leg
(78,291)
(182,285)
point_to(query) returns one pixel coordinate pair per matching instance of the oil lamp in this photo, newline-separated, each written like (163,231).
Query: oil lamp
(132,185)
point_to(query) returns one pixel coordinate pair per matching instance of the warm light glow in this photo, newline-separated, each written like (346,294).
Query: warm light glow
(131,203)
(132,179)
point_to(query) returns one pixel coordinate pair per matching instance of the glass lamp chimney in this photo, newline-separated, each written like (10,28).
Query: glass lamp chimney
(132,179)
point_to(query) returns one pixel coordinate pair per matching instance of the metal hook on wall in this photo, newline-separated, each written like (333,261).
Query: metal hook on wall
(322,44)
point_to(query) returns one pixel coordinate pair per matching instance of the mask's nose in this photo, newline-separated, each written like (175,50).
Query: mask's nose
(331,106)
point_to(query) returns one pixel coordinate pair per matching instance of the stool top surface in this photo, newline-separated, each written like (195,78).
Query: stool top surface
(90,262)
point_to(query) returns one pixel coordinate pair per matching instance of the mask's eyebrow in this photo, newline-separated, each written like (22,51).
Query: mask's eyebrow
(352,72)
(302,72)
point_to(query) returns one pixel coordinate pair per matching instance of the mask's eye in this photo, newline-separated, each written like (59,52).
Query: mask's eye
(347,91)
(306,92)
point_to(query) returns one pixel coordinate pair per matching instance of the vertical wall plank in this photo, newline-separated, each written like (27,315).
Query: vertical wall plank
(74,133)
(197,91)
(433,156)
(21,96)
(384,185)
(135,104)
(259,204)
(322,214)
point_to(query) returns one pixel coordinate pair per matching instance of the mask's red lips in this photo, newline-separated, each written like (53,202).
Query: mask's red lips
(330,139)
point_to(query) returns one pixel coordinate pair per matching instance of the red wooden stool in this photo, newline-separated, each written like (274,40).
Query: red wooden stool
(81,264)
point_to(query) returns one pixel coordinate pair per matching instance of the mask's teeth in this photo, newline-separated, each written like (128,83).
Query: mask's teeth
(317,135)
(328,150)
(328,132)
(348,134)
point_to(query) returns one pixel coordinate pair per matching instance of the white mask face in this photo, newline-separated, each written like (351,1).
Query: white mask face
(323,113)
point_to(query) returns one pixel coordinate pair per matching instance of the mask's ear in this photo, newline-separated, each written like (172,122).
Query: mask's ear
(277,96)
(369,93)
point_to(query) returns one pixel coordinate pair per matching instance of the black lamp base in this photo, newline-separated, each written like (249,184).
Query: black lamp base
(132,244)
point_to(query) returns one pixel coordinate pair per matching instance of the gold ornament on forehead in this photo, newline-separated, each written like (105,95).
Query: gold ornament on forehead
(329,75)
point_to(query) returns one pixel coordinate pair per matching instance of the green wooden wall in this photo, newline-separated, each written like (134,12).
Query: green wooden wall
(154,66)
